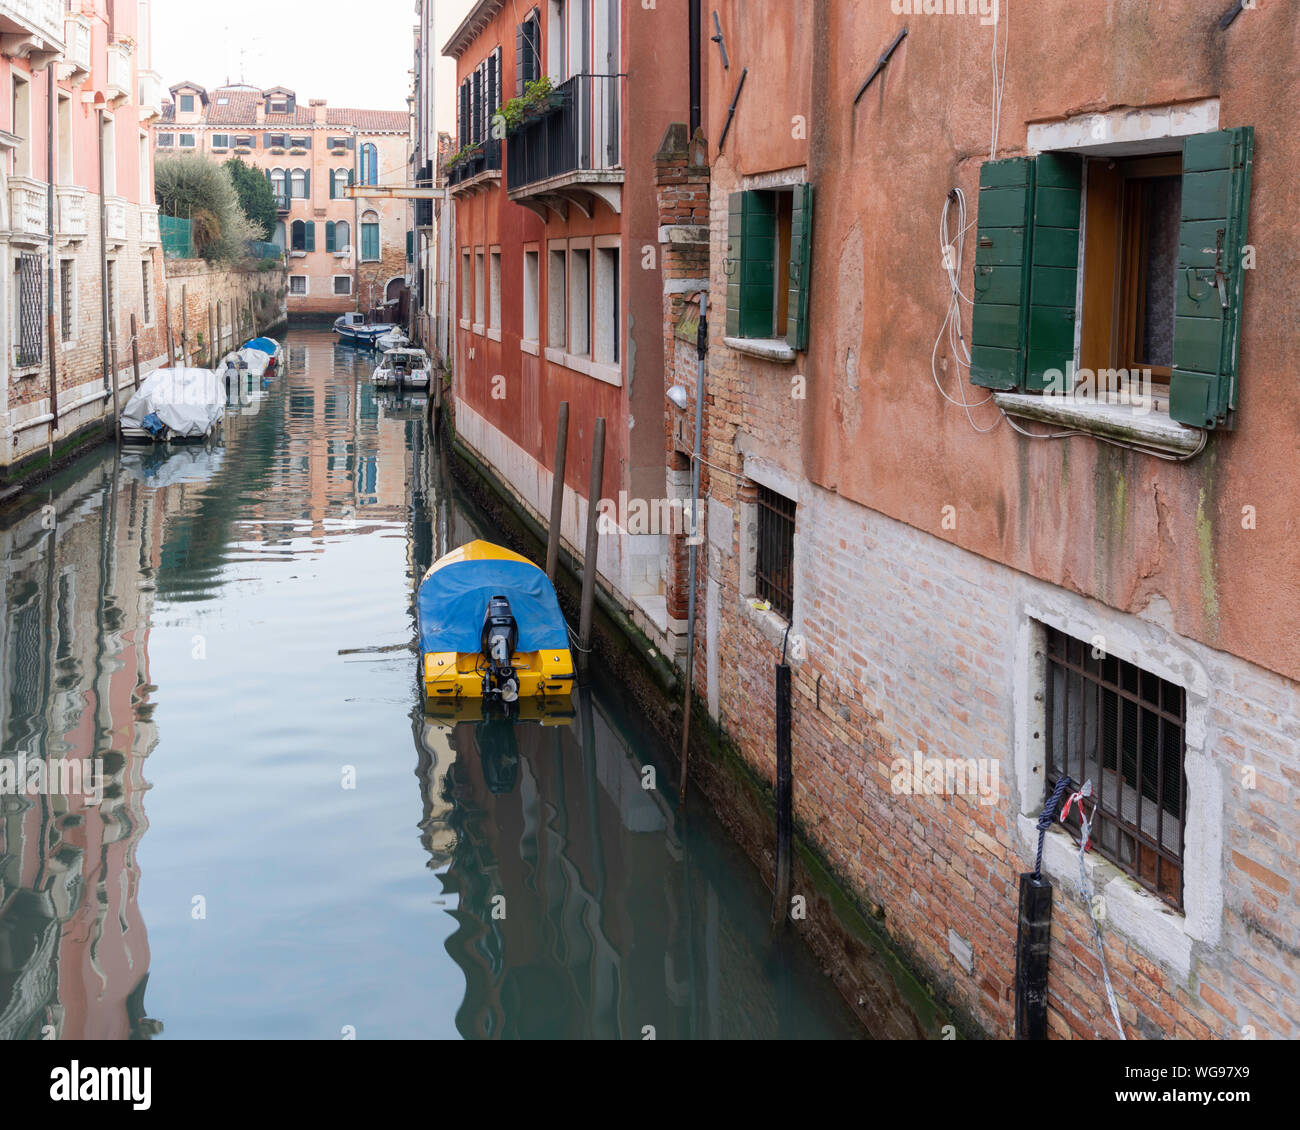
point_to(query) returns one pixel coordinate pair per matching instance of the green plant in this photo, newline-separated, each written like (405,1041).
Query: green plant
(535,98)
(256,196)
(193,188)
(463,154)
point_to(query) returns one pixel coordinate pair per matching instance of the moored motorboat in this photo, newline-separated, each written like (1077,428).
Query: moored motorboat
(175,404)
(272,348)
(254,361)
(402,368)
(491,629)
(393,339)
(356,329)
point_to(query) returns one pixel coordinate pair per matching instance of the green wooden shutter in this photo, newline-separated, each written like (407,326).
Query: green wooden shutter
(1000,320)
(1054,269)
(751,264)
(1207,313)
(306,183)
(310,235)
(796,335)
(329,236)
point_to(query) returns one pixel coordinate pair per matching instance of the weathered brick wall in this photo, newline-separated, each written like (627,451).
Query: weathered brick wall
(249,301)
(906,642)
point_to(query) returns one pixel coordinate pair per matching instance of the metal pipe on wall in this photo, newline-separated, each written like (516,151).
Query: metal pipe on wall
(49,270)
(694,37)
(110,379)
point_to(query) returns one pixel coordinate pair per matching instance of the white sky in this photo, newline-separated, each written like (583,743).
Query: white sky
(355,53)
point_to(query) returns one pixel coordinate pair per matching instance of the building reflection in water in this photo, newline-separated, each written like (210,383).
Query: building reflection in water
(74,954)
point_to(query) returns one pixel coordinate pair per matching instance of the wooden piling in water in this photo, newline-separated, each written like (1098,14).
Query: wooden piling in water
(784,790)
(135,352)
(557,492)
(185,325)
(1033,950)
(589,557)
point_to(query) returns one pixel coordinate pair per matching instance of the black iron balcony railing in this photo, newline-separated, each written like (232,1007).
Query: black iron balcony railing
(488,157)
(580,133)
(282,202)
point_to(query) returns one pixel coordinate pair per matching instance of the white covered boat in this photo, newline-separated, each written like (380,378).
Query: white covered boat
(254,361)
(393,339)
(402,368)
(175,404)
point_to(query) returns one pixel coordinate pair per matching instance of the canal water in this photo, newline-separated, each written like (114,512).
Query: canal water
(282,844)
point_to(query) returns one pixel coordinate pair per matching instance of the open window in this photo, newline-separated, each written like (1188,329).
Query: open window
(769,251)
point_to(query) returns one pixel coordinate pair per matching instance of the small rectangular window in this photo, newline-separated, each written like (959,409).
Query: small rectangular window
(297,284)
(1122,728)
(67,299)
(187,141)
(370,243)
(556,298)
(774,561)
(580,301)
(480,288)
(221,141)
(532,294)
(494,283)
(166,140)
(607,304)
(342,284)
(244,141)
(187,103)
(300,142)
(466,291)
(146,281)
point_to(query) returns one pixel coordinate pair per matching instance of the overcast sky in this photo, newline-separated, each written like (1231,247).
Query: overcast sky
(354,53)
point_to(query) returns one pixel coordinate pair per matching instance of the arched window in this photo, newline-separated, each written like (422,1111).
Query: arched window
(370,237)
(279,235)
(277,182)
(339,181)
(298,179)
(369,164)
(299,236)
(342,235)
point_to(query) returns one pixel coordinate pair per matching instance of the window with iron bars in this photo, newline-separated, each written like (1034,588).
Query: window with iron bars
(1122,728)
(31,312)
(774,561)
(67,298)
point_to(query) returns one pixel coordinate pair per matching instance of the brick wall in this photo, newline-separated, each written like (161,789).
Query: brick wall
(198,292)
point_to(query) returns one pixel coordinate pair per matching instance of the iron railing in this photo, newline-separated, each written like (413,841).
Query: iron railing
(774,568)
(282,202)
(579,133)
(1110,722)
(488,157)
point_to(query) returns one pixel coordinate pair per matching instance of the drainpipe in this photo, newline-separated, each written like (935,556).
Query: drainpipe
(110,381)
(49,273)
(694,18)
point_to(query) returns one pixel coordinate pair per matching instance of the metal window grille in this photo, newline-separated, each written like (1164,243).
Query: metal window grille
(67,298)
(774,568)
(1110,722)
(146,278)
(31,311)
(112,294)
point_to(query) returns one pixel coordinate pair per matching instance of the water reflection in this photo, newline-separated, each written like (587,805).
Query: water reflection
(241,614)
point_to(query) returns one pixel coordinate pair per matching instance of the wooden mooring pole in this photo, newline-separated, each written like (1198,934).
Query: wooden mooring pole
(1033,948)
(593,537)
(784,789)
(557,492)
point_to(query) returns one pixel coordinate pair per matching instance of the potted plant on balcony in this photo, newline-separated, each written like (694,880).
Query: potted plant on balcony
(462,155)
(539,99)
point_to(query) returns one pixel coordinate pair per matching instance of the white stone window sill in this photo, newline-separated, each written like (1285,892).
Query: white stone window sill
(1136,914)
(772,625)
(464,323)
(530,347)
(770,349)
(494,334)
(1128,423)
(478,328)
(610,374)
(27,371)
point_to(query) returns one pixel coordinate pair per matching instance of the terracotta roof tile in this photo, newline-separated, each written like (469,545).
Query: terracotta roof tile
(242,103)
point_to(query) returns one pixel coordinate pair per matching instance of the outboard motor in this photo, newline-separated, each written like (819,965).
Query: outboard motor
(499,640)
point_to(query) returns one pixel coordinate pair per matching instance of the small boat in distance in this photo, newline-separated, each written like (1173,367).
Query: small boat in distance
(269,346)
(491,631)
(175,404)
(393,339)
(402,368)
(356,329)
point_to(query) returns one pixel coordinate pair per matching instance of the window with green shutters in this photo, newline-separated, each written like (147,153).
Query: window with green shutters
(370,243)
(329,237)
(1140,309)
(769,257)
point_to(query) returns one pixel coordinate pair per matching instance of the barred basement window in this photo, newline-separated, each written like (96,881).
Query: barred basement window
(67,298)
(31,312)
(1122,728)
(297,284)
(774,567)
(342,284)
(146,279)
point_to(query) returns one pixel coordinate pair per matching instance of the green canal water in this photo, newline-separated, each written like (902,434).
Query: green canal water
(285,847)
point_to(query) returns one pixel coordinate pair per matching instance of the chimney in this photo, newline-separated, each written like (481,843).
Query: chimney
(318,110)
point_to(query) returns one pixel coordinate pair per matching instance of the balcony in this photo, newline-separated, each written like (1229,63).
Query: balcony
(71,212)
(477,172)
(150,234)
(282,203)
(571,154)
(76,57)
(151,95)
(28,210)
(115,220)
(118,87)
(32,30)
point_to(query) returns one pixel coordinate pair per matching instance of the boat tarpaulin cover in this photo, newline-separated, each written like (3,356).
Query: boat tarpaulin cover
(453,602)
(263,345)
(188,401)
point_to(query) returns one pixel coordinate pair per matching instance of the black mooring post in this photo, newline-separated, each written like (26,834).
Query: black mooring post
(1033,948)
(784,783)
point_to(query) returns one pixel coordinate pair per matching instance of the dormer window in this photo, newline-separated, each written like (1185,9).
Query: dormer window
(279,106)
(187,103)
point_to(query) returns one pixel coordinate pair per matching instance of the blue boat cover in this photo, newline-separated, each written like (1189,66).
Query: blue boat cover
(262,345)
(452,604)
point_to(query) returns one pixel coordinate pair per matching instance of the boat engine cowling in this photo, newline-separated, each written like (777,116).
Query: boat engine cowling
(499,639)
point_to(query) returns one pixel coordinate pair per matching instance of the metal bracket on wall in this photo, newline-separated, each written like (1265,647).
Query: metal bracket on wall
(880,65)
(731,111)
(1225,21)
(720,40)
